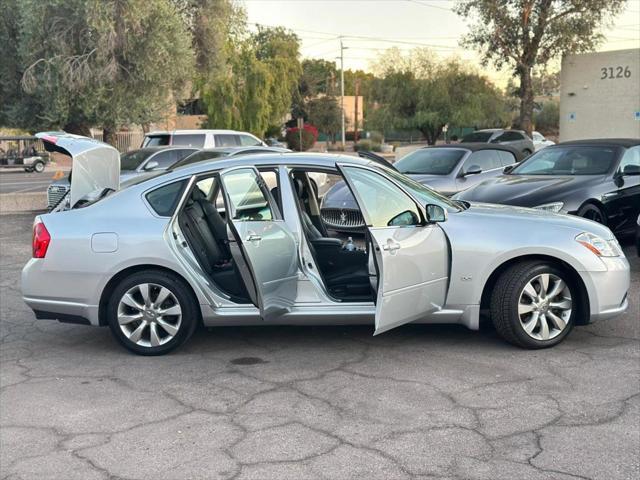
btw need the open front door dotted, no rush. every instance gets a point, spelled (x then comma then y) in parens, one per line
(411, 255)
(267, 247)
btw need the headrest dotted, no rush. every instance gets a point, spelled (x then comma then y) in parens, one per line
(299, 186)
(198, 194)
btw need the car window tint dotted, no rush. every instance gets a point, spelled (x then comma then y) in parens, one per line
(630, 157)
(485, 159)
(383, 202)
(165, 159)
(199, 157)
(184, 153)
(568, 160)
(133, 159)
(248, 141)
(506, 158)
(227, 140)
(189, 140)
(430, 161)
(247, 195)
(163, 200)
(482, 137)
(508, 137)
(156, 140)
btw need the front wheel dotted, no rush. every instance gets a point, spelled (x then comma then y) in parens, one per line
(38, 167)
(593, 212)
(534, 305)
(152, 312)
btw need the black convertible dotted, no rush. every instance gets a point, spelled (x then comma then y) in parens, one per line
(595, 179)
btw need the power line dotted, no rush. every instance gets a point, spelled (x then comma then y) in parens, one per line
(417, 2)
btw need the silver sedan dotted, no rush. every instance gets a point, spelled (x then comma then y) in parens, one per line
(211, 244)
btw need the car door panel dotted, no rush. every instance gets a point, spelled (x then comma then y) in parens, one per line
(264, 242)
(412, 260)
(412, 278)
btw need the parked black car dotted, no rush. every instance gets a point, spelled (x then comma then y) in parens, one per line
(595, 179)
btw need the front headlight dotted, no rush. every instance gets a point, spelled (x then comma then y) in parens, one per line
(599, 246)
(550, 207)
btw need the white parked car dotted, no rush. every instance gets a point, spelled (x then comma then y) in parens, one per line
(539, 141)
(202, 139)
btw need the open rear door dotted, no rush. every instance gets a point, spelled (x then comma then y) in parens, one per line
(95, 166)
(412, 256)
(266, 245)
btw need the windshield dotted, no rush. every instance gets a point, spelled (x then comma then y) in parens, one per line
(568, 160)
(132, 160)
(156, 140)
(430, 161)
(481, 137)
(199, 157)
(421, 192)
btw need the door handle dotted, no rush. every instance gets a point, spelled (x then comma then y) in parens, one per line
(253, 237)
(391, 246)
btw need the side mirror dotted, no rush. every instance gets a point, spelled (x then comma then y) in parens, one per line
(631, 170)
(436, 213)
(151, 165)
(508, 168)
(472, 170)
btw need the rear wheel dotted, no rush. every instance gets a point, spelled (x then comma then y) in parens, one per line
(534, 305)
(593, 212)
(152, 312)
(38, 167)
(526, 152)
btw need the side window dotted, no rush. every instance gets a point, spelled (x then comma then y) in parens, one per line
(165, 159)
(248, 141)
(226, 140)
(164, 200)
(247, 195)
(630, 157)
(184, 153)
(383, 202)
(506, 158)
(189, 140)
(485, 159)
(508, 137)
(155, 140)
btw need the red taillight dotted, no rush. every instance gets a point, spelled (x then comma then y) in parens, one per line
(41, 240)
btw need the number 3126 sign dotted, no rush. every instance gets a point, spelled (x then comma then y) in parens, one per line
(615, 72)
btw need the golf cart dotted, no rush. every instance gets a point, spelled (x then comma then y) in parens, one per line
(23, 152)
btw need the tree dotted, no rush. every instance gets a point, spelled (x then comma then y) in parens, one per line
(86, 62)
(524, 34)
(426, 94)
(548, 118)
(324, 113)
(257, 85)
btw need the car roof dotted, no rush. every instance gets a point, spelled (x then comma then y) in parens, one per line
(159, 148)
(609, 142)
(476, 146)
(194, 131)
(230, 150)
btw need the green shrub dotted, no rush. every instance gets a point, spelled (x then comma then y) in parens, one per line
(376, 137)
(362, 145)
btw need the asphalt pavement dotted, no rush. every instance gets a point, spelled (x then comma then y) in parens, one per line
(19, 181)
(429, 402)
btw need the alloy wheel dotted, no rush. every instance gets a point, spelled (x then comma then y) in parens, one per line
(545, 306)
(149, 315)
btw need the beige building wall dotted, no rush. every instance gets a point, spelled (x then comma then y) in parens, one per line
(350, 112)
(600, 95)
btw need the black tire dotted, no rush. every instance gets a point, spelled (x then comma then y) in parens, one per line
(28, 170)
(187, 302)
(38, 167)
(506, 296)
(593, 212)
(526, 152)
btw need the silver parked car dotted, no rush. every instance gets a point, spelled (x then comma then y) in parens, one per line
(210, 243)
(517, 139)
(133, 163)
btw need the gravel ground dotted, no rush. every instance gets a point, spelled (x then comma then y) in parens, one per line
(431, 402)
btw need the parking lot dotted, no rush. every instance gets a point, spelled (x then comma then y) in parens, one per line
(332, 402)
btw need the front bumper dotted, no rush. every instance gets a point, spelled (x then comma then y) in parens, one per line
(608, 290)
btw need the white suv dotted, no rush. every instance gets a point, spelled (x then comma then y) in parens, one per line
(201, 139)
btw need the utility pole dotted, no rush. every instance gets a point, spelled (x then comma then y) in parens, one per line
(342, 48)
(355, 117)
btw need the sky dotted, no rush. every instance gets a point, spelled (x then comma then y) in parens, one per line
(369, 27)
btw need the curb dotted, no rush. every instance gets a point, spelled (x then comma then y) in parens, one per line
(22, 202)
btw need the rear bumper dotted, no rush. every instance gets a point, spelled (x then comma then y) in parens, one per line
(608, 290)
(66, 312)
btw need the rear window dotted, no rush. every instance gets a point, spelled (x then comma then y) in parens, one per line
(568, 160)
(199, 157)
(249, 141)
(189, 140)
(164, 200)
(156, 140)
(430, 161)
(482, 137)
(227, 140)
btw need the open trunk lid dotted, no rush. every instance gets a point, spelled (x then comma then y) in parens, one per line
(95, 165)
